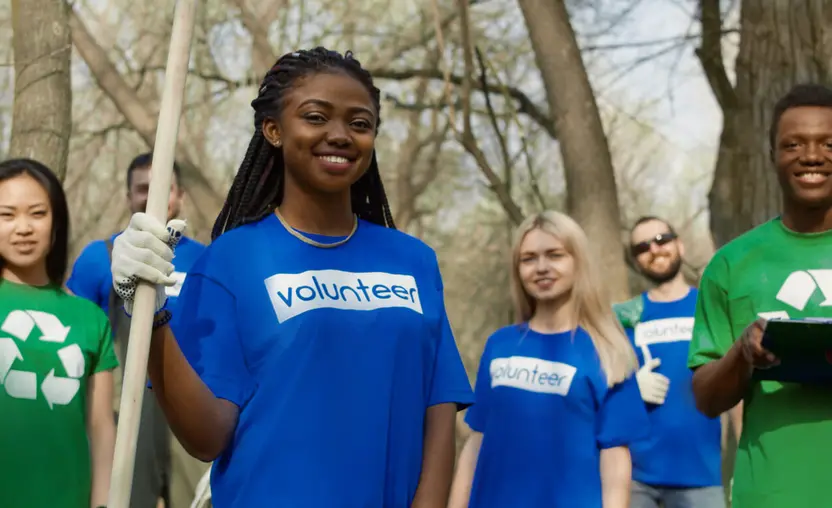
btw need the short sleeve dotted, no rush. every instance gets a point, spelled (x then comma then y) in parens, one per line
(477, 415)
(106, 358)
(449, 382)
(86, 278)
(622, 417)
(712, 335)
(205, 328)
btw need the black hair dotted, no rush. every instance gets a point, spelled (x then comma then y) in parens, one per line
(800, 95)
(57, 258)
(145, 160)
(650, 218)
(258, 186)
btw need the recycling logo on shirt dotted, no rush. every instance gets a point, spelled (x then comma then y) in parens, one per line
(798, 289)
(22, 384)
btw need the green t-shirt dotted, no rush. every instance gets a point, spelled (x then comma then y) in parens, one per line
(783, 459)
(50, 344)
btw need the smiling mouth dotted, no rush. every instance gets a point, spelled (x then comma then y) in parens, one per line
(811, 176)
(334, 159)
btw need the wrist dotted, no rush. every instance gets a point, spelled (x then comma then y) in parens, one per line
(162, 318)
(739, 359)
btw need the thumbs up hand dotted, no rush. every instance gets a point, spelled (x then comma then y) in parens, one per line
(652, 385)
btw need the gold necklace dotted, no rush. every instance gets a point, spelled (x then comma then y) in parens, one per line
(303, 238)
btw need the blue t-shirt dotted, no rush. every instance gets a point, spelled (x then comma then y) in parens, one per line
(333, 355)
(92, 279)
(684, 446)
(545, 411)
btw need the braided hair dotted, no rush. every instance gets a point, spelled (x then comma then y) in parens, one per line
(258, 186)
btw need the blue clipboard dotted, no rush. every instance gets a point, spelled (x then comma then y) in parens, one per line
(804, 347)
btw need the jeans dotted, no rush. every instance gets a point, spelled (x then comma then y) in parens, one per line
(648, 496)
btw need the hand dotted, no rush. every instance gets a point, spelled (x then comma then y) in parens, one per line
(752, 349)
(652, 385)
(144, 251)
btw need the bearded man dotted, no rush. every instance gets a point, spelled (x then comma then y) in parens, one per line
(679, 465)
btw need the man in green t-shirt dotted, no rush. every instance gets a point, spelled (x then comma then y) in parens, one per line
(782, 268)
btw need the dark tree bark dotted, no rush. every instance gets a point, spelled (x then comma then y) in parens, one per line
(42, 114)
(592, 198)
(782, 43)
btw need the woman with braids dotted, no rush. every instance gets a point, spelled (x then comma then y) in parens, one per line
(311, 357)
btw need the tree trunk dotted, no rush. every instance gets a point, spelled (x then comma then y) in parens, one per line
(782, 43)
(592, 199)
(42, 114)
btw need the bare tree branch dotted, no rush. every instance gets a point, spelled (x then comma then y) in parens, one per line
(710, 55)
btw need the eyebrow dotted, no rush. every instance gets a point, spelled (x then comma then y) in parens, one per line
(36, 205)
(329, 105)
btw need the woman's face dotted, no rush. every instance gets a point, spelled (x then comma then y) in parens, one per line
(546, 268)
(25, 222)
(326, 131)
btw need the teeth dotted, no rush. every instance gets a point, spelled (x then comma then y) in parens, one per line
(812, 176)
(335, 159)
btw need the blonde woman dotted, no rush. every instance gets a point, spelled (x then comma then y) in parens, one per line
(556, 402)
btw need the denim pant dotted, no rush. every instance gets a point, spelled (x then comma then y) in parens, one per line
(647, 496)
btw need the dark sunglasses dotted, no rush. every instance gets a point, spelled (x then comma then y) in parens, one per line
(662, 239)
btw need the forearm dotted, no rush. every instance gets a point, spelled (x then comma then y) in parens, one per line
(202, 422)
(616, 470)
(102, 437)
(720, 385)
(437, 458)
(464, 477)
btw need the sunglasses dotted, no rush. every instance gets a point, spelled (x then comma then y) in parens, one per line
(661, 239)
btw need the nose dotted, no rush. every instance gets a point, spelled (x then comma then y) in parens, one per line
(811, 156)
(339, 135)
(23, 226)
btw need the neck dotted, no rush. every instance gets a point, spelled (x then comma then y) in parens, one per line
(807, 220)
(554, 316)
(670, 291)
(35, 276)
(328, 214)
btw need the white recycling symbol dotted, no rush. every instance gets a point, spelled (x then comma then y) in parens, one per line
(798, 289)
(22, 384)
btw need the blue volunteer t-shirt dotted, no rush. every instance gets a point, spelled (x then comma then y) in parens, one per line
(545, 411)
(684, 446)
(92, 279)
(333, 355)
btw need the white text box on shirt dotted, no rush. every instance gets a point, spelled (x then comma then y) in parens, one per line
(659, 331)
(292, 294)
(532, 374)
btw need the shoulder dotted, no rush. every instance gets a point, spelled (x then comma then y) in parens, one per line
(82, 307)
(505, 333)
(629, 312)
(752, 243)
(94, 250)
(397, 241)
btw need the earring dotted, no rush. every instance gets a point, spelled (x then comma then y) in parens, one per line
(277, 144)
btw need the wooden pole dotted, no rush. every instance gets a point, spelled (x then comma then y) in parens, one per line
(135, 368)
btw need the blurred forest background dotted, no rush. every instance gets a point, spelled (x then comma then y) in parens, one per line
(493, 109)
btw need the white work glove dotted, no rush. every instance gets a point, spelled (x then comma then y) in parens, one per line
(144, 251)
(652, 385)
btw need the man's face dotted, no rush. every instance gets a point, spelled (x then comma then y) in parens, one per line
(803, 155)
(139, 187)
(657, 251)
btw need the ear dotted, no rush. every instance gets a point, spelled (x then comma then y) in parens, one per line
(272, 132)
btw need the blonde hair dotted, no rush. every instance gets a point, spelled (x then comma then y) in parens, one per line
(592, 306)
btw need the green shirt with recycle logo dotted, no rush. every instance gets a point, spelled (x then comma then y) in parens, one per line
(50, 344)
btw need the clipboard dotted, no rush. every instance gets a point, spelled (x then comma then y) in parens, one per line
(804, 348)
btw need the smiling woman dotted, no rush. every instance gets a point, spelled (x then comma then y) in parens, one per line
(56, 355)
(313, 360)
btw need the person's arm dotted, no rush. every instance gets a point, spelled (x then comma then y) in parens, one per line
(622, 420)
(464, 478)
(199, 376)
(101, 432)
(616, 470)
(438, 457)
(450, 392)
(722, 370)
(202, 422)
